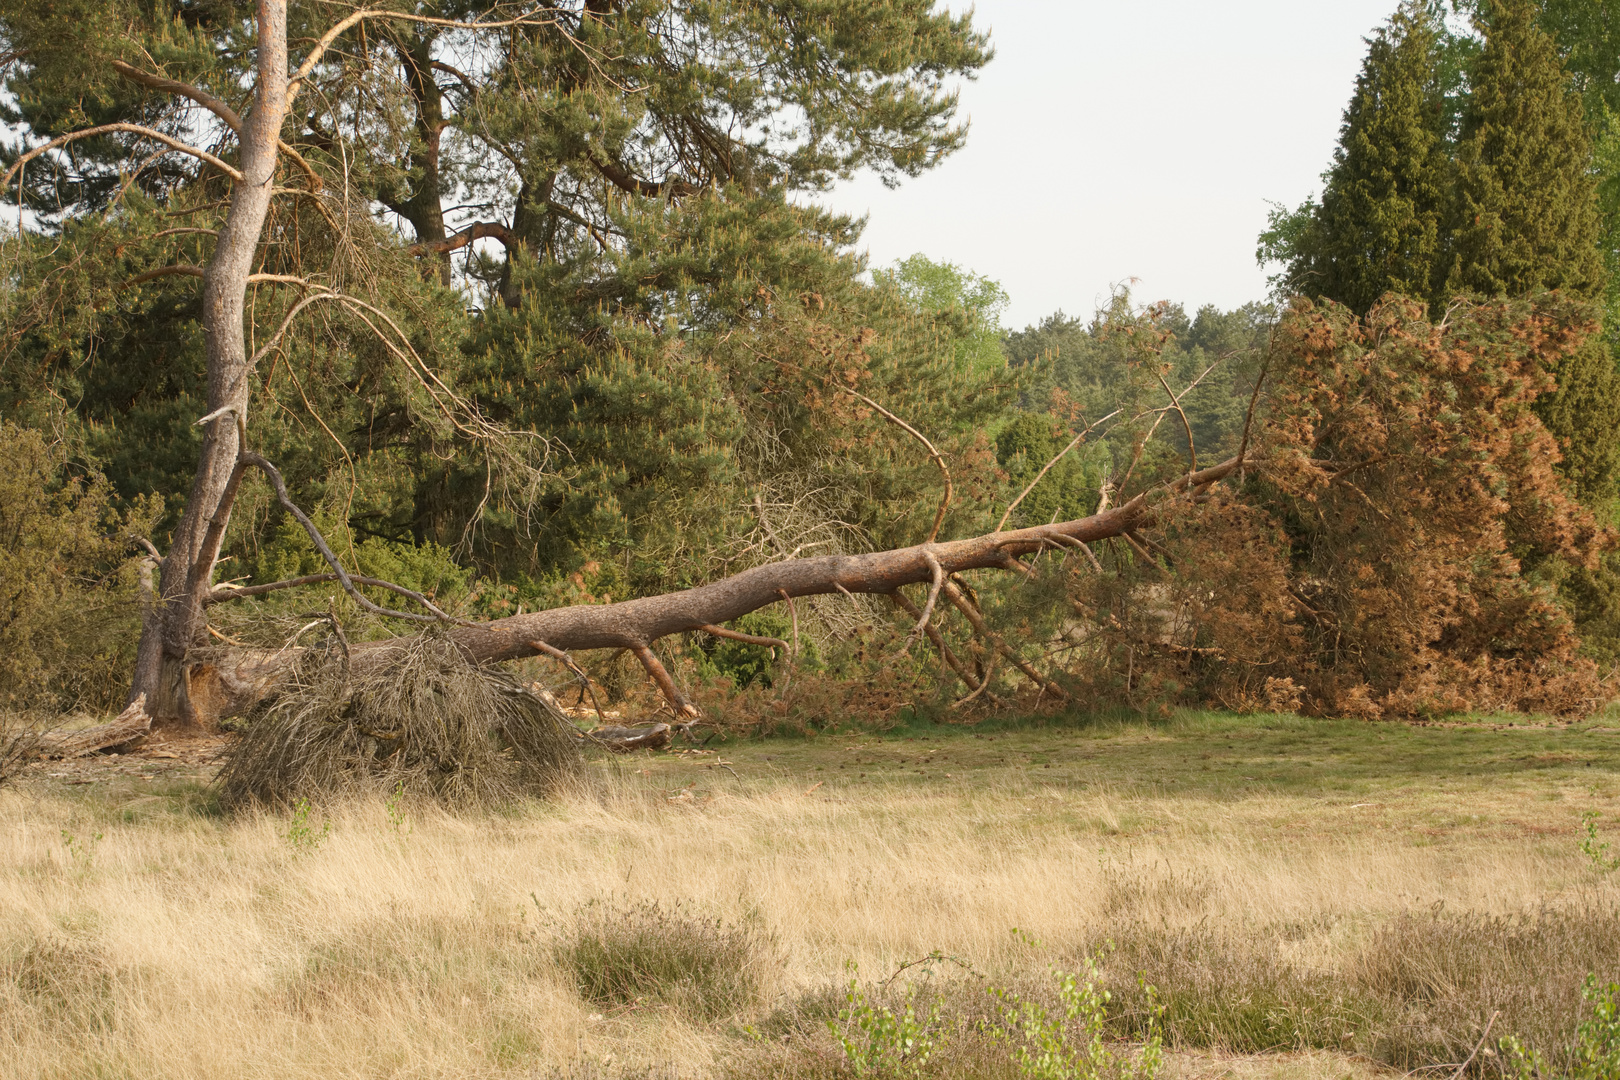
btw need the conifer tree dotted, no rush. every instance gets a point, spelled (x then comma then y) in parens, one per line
(1525, 219)
(1378, 228)
(1525, 212)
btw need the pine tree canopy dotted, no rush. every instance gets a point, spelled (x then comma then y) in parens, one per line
(1378, 228)
(1525, 212)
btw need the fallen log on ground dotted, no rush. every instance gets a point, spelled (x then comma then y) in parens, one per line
(129, 726)
(622, 740)
(237, 678)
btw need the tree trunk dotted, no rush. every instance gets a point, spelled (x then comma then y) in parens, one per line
(232, 680)
(167, 639)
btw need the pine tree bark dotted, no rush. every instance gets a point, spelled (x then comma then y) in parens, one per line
(188, 568)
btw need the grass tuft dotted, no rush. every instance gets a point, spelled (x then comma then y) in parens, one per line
(1449, 972)
(60, 983)
(648, 954)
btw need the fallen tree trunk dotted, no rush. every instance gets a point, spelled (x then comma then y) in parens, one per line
(236, 679)
(637, 623)
(131, 724)
(622, 740)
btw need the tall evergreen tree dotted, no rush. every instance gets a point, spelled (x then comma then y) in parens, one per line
(1526, 210)
(1525, 219)
(1378, 228)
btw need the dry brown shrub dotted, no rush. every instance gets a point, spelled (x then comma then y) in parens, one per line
(1414, 482)
(1394, 551)
(422, 719)
(19, 741)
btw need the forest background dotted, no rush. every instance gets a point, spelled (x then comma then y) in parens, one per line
(630, 355)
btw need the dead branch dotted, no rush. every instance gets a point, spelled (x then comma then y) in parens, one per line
(1070, 542)
(1141, 551)
(187, 270)
(622, 740)
(976, 619)
(749, 639)
(937, 640)
(478, 230)
(325, 42)
(666, 685)
(225, 593)
(984, 684)
(574, 669)
(1061, 454)
(108, 129)
(342, 575)
(793, 614)
(933, 453)
(1158, 418)
(933, 597)
(212, 104)
(1254, 399)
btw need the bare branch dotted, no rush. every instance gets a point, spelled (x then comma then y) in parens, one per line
(476, 231)
(225, 593)
(954, 595)
(173, 86)
(181, 231)
(938, 458)
(747, 639)
(319, 541)
(1078, 439)
(133, 129)
(1175, 403)
(937, 640)
(1254, 399)
(933, 598)
(666, 685)
(577, 671)
(151, 548)
(275, 338)
(212, 104)
(187, 270)
(297, 81)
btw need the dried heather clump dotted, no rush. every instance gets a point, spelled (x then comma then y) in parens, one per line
(415, 716)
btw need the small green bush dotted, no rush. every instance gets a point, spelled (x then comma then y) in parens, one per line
(879, 1041)
(69, 605)
(1071, 1041)
(648, 954)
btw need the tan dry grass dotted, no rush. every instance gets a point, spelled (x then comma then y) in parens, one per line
(185, 946)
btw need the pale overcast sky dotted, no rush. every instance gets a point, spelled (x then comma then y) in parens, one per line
(1136, 139)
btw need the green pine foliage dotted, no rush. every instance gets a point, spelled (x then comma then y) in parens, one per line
(1525, 212)
(1379, 226)
(1526, 219)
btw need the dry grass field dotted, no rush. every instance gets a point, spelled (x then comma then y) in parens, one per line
(1312, 899)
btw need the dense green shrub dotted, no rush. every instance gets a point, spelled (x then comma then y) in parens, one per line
(69, 603)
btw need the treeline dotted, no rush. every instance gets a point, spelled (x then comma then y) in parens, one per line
(596, 341)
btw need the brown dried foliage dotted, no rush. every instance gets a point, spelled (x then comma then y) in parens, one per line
(1393, 552)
